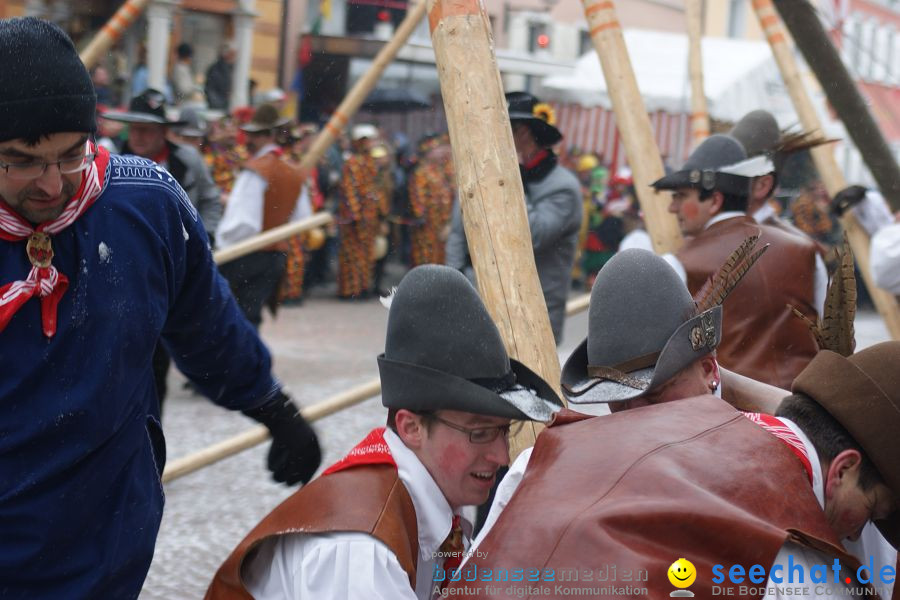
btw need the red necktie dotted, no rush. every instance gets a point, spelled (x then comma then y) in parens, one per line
(454, 544)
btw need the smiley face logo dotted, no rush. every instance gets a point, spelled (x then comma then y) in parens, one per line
(682, 573)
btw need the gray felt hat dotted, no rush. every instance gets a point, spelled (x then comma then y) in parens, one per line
(705, 168)
(758, 132)
(642, 330)
(443, 352)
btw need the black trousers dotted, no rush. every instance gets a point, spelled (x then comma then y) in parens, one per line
(254, 279)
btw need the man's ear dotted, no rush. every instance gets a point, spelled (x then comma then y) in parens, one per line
(762, 187)
(716, 202)
(410, 428)
(841, 470)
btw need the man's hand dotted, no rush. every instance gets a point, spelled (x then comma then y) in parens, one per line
(294, 455)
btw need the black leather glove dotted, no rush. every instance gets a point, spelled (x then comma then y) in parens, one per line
(294, 454)
(847, 198)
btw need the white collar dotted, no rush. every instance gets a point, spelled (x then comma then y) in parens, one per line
(818, 484)
(434, 516)
(730, 214)
(765, 211)
(265, 150)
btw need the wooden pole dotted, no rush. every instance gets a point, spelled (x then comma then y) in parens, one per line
(270, 236)
(824, 158)
(257, 435)
(699, 114)
(355, 97)
(803, 23)
(633, 122)
(110, 33)
(490, 188)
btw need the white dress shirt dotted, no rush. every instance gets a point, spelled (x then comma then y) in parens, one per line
(884, 258)
(243, 216)
(353, 565)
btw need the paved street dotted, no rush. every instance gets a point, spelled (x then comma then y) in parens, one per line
(321, 348)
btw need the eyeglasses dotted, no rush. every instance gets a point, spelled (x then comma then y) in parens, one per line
(33, 170)
(482, 435)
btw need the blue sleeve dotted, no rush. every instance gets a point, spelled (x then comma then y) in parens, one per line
(205, 332)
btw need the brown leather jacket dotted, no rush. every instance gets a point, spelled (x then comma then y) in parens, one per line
(369, 499)
(761, 336)
(615, 500)
(284, 185)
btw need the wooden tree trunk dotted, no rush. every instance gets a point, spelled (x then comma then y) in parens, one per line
(699, 114)
(633, 122)
(490, 188)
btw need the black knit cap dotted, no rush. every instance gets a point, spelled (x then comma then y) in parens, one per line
(44, 86)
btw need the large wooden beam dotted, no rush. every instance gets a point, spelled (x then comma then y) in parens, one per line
(699, 114)
(633, 122)
(357, 94)
(491, 195)
(821, 55)
(823, 157)
(110, 33)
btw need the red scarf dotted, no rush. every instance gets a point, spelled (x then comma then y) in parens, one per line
(44, 280)
(373, 450)
(786, 435)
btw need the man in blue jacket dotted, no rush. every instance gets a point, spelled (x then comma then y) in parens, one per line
(101, 256)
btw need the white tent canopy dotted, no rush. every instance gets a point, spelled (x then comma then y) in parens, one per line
(739, 76)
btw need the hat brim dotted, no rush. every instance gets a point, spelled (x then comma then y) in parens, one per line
(544, 133)
(674, 181)
(682, 348)
(138, 117)
(418, 388)
(257, 127)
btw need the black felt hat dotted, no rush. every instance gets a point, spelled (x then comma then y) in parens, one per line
(706, 168)
(443, 352)
(147, 107)
(44, 86)
(642, 330)
(539, 117)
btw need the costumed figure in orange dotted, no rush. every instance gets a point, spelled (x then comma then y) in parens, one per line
(292, 284)
(431, 194)
(223, 155)
(360, 202)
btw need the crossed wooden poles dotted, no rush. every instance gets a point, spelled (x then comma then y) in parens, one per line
(490, 189)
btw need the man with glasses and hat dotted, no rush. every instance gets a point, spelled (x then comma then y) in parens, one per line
(762, 338)
(380, 522)
(101, 255)
(267, 193)
(553, 201)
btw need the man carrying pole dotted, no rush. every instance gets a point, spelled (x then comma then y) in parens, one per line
(377, 523)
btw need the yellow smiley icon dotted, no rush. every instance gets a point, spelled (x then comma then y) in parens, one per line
(682, 573)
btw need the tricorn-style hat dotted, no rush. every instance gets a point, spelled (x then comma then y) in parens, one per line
(539, 117)
(642, 330)
(265, 118)
(147, 107)
(862, 393)
(707, 168)
(443, 352)
(48, 89)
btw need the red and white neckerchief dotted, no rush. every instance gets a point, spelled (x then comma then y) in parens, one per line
(373, 450)
(786, 435)
(44, 280)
